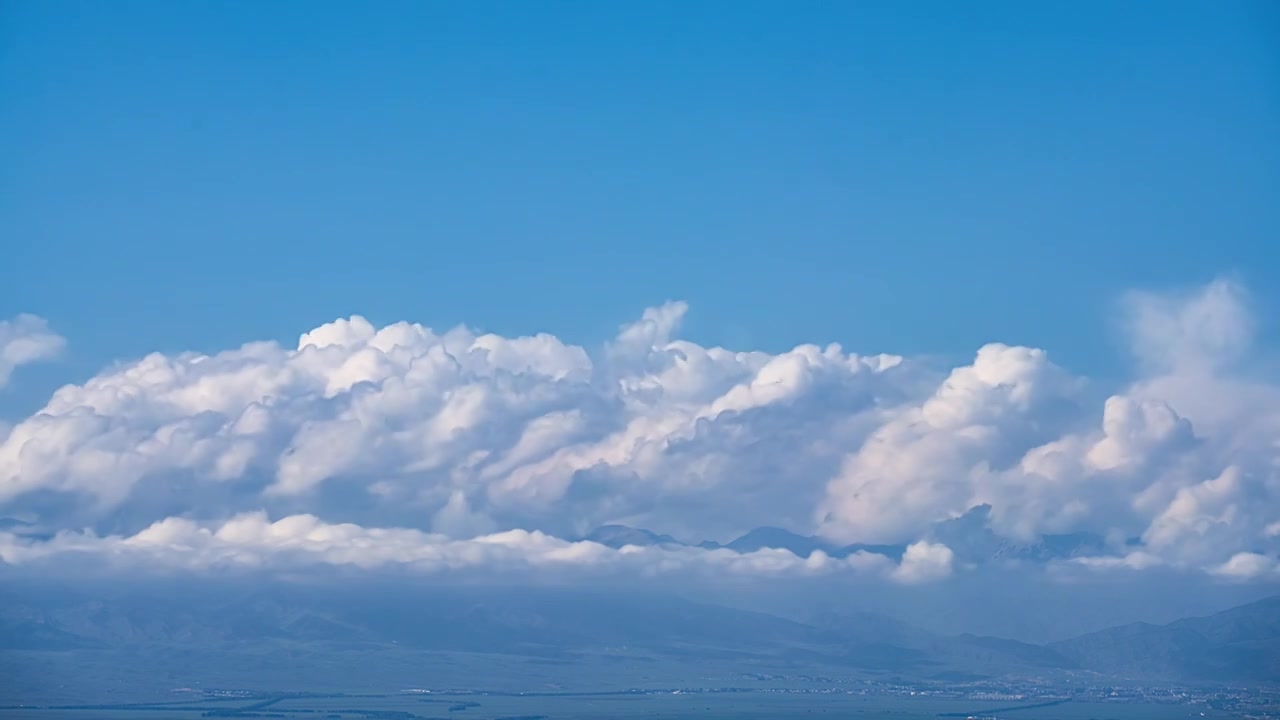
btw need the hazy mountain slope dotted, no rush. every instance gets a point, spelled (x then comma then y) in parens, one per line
(108, 627)
(486, 619)
(536, 622)
(1240, 644)
(617, 536)
(974, 653)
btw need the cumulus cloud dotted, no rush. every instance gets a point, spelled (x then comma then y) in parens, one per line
(923, 463)
(1184, 459)
(454, 425)
(1248, 566)
(456, 436)
(923, 562)
(24, 340)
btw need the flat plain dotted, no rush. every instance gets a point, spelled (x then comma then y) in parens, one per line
(666, 706)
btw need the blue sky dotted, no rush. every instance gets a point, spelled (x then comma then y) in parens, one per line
(913, 178)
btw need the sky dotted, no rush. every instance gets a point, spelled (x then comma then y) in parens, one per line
(509, 272)
(909, 180)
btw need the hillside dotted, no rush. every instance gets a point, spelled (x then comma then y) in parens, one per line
(213, 632)
(1240, 644)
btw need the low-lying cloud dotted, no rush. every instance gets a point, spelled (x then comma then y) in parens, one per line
(253, 541)
(486, 450)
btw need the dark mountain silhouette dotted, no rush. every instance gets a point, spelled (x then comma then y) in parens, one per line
(772, 537)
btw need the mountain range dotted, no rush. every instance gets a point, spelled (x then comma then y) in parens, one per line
(192, 633)
(969, 537)
(1239, 644)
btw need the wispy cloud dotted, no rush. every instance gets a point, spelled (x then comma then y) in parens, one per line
(24, 340)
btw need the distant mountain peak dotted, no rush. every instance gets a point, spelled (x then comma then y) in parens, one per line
(617, 536)
(969, 536)
(779, 538)
(972, 539)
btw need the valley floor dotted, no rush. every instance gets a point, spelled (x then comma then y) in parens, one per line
(652, 703)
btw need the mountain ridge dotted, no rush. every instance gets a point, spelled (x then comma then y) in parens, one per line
(968, 536)
(1237, 644)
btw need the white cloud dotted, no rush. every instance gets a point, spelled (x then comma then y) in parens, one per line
(1194, 332)
(1185, 459)
(411, 420)
(923, 463)
(1137, 560)
(465, 435)
(1247, 566)
(924, 562)
(24, 340)
(1199, 512)
(252, 540)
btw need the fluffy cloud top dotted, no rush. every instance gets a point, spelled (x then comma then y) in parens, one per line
(479, 431)
(24, 340)
(459, 437)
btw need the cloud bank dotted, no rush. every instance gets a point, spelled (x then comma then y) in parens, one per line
(252, 540)
(403, 445)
